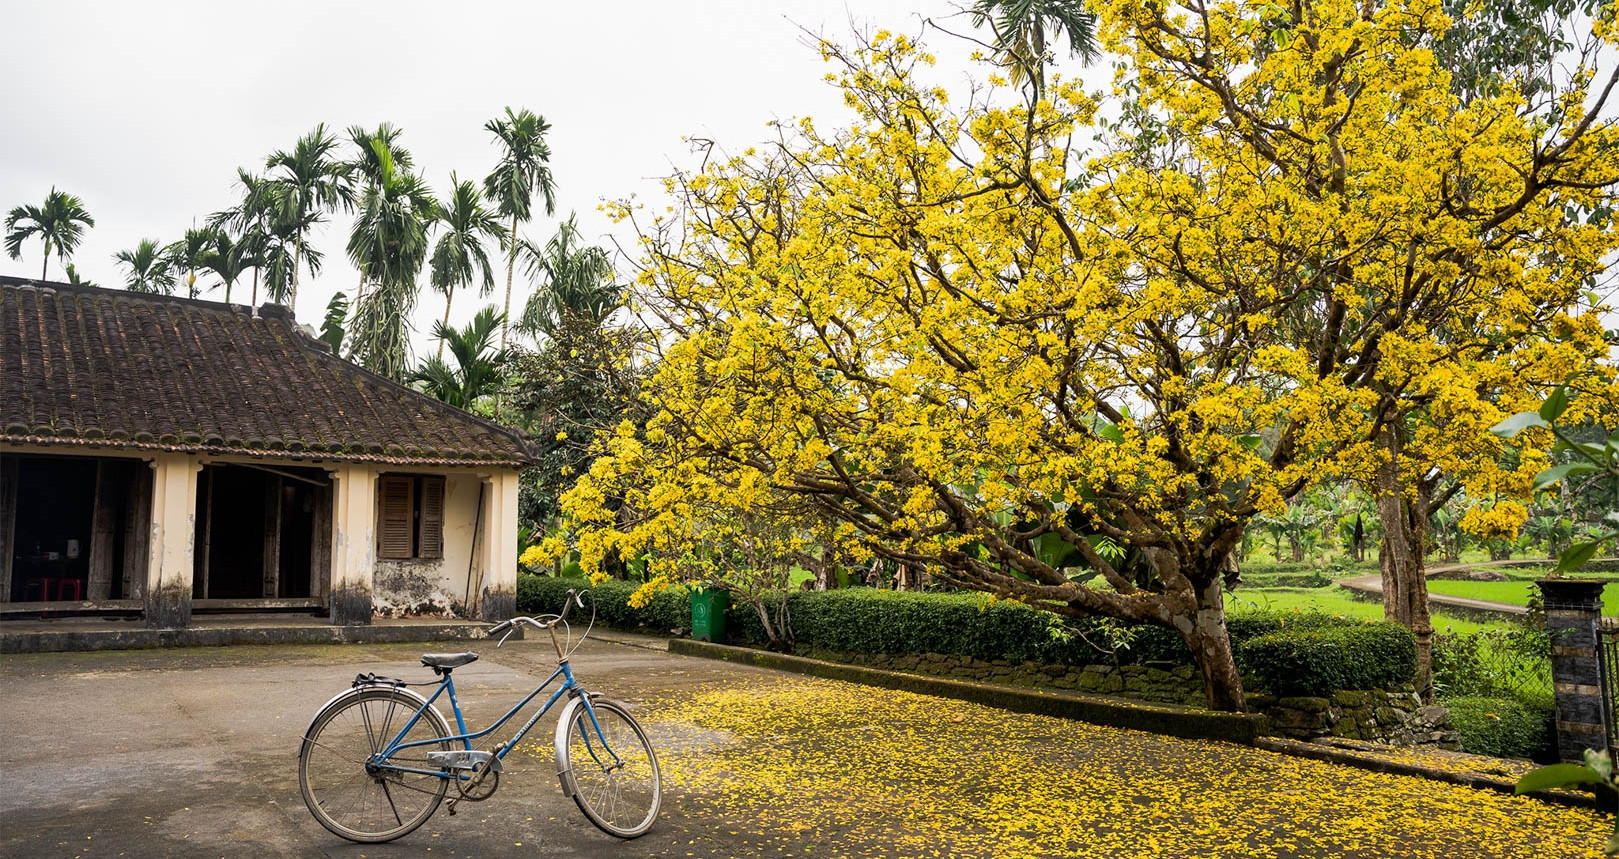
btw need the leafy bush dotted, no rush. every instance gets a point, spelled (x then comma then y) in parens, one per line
(1500, 727)
(1319, 659)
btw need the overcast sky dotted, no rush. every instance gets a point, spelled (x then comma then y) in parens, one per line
(145, 110)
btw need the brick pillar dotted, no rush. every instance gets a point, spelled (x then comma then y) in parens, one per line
(1573, 610)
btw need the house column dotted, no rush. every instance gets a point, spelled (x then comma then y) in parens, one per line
(498, 599)
(354, 543)
(171, 563)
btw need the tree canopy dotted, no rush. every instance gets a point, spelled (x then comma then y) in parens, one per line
(974, 332)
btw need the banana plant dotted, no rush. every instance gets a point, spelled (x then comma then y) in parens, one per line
(1598, 460)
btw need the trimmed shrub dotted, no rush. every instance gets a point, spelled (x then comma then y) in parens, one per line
(1318, 660)
(1500, 727)
(1297, 653)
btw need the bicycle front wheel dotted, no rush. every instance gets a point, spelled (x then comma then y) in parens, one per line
(609, 768)
(357, 796)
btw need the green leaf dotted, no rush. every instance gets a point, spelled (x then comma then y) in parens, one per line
(1250, 441)
(1518, 422)
(1555, 474)
(1555, 405)
(1576, 555)
(1556, 775)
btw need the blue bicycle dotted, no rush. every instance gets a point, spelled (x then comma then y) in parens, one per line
(378, 759)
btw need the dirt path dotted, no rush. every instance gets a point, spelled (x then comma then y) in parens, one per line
(1373, 585)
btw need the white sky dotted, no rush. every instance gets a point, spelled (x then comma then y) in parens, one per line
(145, 110)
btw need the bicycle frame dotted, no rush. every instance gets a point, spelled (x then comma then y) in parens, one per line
(569, 686)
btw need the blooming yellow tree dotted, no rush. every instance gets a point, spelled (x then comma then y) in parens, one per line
(968, 331)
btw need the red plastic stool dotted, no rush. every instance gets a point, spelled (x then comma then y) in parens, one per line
(44, 584)
(65, 585)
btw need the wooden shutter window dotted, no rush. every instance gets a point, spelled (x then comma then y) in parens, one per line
(395, 520)
(432, 525)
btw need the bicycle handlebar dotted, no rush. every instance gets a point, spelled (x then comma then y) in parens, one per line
(568, 602)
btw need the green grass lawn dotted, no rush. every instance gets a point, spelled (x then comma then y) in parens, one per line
(1514, 592)
(1334, 601)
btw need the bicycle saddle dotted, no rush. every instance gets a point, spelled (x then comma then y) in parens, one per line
(440, 661)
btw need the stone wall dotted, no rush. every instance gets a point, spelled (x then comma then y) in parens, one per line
(1387, 716)
(1377, 715)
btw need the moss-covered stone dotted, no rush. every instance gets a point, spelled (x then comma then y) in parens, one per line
(1349, 698)
(1306, 703)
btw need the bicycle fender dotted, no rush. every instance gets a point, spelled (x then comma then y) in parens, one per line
(564, 775)
(355, 692)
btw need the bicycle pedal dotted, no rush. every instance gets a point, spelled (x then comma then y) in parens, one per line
(465, 759)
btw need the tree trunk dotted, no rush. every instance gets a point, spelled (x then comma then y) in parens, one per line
(1205, 635)
(511, 270)
(447, 298)
(1400, 559)
(297, 257)
(1297, 547)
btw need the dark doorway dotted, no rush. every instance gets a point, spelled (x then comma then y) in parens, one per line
(73, 529)
(261, 532)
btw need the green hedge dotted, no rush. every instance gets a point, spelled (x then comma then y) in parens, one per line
(1499, 727)
(668, 611)
(1286, 653)
(1321, 660)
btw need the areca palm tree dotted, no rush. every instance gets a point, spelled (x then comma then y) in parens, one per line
(310, 180)
(459, 255)
(227, 259)
(364, 170)
(479, 366)
(389, 244)
(147, 268)
(186, 256)
(60, 222)
(523, 169)
(1026, 29)
(575, 284)
(251, 219)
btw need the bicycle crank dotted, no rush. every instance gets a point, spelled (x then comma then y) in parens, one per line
(483, 781)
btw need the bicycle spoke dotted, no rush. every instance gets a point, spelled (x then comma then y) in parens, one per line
(394, 808)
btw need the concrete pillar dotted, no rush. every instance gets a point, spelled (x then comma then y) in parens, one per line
(498, 598)
(354, 543)
(1573, 610)
(171, 564)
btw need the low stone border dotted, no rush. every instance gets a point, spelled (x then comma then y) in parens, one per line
(1373, 763)
(86, 640)
(1167, 719)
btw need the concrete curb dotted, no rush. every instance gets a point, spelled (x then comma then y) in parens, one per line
(1372, 763)
(1174, 721)
(86, 640)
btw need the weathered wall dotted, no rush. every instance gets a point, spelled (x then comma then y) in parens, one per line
(479, 551)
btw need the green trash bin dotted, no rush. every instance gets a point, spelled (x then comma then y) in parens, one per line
(708, 605)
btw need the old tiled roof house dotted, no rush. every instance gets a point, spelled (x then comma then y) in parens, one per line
(161, 454)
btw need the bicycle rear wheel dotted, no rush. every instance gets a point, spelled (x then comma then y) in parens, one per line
(615, 783)
(345, 788)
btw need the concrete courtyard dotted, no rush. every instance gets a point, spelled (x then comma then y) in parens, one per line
(193, 752)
